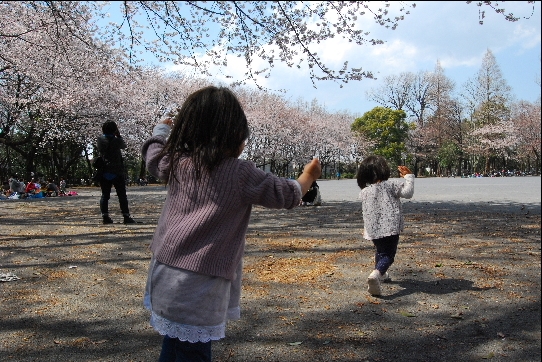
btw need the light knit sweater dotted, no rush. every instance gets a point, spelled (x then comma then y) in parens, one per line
(382, 208)
(203, 222)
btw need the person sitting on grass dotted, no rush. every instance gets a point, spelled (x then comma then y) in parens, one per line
(31, 187)
(52, 188)
(312, 197)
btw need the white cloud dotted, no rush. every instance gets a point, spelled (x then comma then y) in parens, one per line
(448, 62)
(529, 37)
(398, 55)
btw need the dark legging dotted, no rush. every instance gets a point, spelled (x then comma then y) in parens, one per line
(120, 187)
(386, 248)
(174, 350)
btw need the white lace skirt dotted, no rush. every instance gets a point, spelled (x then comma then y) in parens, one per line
(190, 306)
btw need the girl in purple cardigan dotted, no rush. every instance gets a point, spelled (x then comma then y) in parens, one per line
(194, 280)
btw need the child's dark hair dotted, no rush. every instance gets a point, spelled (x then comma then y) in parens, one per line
(372, 169)
(109, 127)
(209, 127)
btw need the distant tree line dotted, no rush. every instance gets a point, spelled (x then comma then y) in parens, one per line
(61, 78)
(426, 123)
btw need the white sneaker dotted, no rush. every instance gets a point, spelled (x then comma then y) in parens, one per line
(385, 278)
(373, 282)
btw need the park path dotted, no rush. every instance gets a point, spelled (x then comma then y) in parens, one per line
(525, 190)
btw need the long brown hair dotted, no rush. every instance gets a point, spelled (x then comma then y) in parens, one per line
(209, 127)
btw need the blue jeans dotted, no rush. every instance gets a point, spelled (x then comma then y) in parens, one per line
(175, 350)
(386, 248)
(120, 187)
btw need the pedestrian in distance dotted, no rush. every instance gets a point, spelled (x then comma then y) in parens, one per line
(382, 213)
(194, 280)
(109, 146)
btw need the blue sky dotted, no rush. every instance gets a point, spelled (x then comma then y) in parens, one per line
(447, 31)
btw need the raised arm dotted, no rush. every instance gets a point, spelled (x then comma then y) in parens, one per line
(311, 172)
(407, 190)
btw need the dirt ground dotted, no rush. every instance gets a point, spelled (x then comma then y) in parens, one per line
(466, 284)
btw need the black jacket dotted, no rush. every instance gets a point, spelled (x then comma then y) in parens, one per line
(110, 148)
(310, 196)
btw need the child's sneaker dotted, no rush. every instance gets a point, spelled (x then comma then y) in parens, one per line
(373, 282)
(385, 278)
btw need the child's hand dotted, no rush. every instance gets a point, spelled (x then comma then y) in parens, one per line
(403, 170)
(168, 121)
(313, 168)
(311, 172)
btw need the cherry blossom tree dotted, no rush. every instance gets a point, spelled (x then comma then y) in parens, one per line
(526, 118)
(62, 74)
(205, 34)
(497, 140)
(53, 103)
(285, 136)
(276, 130)
(210, 34)
(45, 69)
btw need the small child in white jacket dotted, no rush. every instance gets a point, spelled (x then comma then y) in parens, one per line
(382, 213)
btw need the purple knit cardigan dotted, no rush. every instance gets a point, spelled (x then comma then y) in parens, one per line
(203, 222)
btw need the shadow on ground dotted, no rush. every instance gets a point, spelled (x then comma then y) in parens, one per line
(466, 285)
